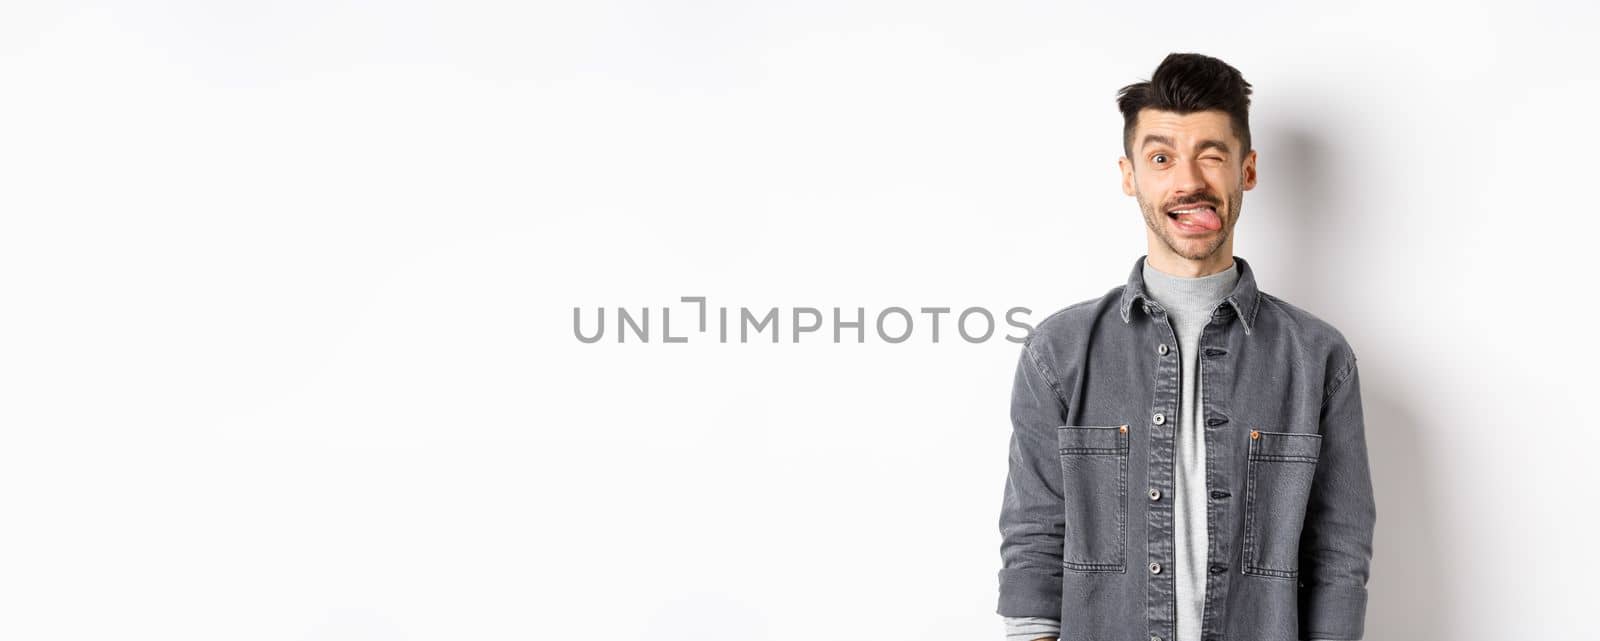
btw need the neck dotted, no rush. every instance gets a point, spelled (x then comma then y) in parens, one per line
(1164, 259)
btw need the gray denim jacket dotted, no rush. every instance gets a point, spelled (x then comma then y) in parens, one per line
(1087, 518)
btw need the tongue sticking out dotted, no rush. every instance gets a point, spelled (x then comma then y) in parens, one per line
(1205, 217)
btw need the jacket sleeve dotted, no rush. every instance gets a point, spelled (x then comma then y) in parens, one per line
(1032, 513)
(1336, 540)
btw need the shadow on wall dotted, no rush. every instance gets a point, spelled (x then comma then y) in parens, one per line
(1410, 590)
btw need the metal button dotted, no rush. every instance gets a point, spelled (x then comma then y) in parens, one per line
(1155, 494)
(1155, 637)
(1162, 349)
(1155, 568)
(1162, 418)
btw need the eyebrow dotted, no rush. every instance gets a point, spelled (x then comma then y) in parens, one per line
(1209, 143)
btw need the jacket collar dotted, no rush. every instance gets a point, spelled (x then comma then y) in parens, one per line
(1244, 298)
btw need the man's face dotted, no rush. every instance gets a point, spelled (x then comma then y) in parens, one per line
(1189, 175)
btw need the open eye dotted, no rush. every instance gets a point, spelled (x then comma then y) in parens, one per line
(1159, 159)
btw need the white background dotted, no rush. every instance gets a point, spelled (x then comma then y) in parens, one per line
(286, 296)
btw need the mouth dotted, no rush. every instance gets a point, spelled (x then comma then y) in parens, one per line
(1198, 218)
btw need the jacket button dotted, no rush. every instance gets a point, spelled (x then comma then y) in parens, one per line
(1155, 494)
(1155, 568)
(1155, 637)
(1161, 349)
(1219, 569)
(1159, 418)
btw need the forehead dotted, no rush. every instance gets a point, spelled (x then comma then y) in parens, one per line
(1184, 129)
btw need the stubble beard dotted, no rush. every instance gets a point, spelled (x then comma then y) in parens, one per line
(1157, 220)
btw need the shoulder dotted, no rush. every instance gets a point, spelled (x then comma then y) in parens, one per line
(1061, 335)
(1316, 339)
(1069, 319)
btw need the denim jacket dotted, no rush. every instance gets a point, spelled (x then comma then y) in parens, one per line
(1087, 516)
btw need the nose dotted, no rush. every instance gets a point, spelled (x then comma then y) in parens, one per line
(1190, 179)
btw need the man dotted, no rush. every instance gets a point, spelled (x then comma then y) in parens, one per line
(1188, 458)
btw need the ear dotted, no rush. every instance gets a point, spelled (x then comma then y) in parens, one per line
(1250, 170)
(1127, 175)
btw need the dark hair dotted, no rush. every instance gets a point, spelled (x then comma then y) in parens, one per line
(1186, 83)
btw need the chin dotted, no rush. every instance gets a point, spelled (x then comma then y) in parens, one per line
(1195, 249)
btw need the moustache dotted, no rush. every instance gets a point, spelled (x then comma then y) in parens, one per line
(1206, 199)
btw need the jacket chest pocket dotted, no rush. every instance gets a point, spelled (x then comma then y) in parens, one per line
(1094, 472)
(1278, 486)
